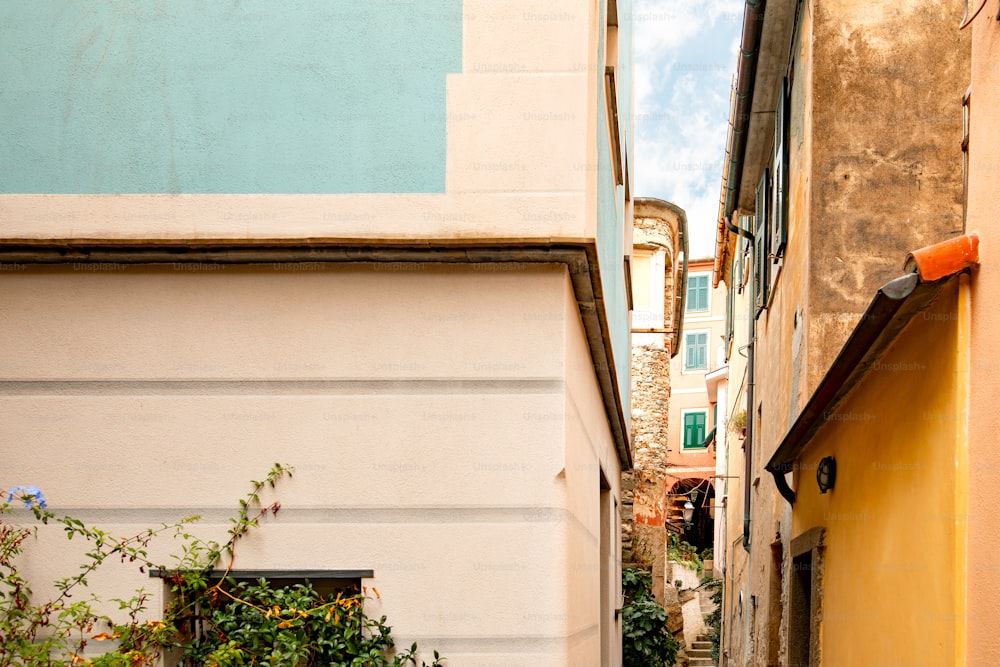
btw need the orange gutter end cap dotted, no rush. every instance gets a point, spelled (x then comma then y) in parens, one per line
(946, 258)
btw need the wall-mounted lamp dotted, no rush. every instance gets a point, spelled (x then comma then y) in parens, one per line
(826, 474)
(688, 513)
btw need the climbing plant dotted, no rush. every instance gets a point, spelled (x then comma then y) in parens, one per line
(714, 620)
(217, 621)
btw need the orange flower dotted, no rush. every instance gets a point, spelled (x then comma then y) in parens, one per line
(101, 636)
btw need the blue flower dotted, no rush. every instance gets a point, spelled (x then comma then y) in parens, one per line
(29, 494)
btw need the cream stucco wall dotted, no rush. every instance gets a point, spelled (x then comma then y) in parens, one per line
(455, 445)
(983, 641)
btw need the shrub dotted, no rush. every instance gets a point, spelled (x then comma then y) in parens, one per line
(646, 642)
(211, 621)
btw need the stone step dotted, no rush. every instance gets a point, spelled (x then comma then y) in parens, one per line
(699, 653)
(701, 645)
(701, 662)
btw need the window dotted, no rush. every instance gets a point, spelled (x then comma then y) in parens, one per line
(248, 584)
(805, 602)
(640, 280)
(779, 206)
(697, 292)
(694, 429)
(696, 351)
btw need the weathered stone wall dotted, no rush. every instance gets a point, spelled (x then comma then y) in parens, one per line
(656, 226)
(647, 481)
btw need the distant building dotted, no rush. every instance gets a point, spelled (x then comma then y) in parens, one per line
(657, 269)
(384, 244)
(693, 421)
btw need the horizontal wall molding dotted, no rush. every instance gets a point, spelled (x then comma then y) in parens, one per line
(580, 258)
(278, 387)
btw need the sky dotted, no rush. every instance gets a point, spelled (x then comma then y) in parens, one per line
(685, 61)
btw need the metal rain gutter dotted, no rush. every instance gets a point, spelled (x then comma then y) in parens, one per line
(890, 311)
(739, 121)
(753, 25)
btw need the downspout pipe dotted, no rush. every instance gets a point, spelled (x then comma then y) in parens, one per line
(680, 291)
(751, 419)
(753, 24)
(751, 385)
(739, 231)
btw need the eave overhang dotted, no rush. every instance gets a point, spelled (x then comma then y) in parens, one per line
(712, 381)
(579, 256)
(890, 311)
(763, 61)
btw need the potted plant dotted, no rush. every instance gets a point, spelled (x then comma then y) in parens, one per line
(738, 424)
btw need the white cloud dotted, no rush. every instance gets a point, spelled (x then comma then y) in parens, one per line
(685, 57)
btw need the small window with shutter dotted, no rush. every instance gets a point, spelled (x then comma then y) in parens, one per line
(697, 293)
(762, 263)
(778, 232)
(696, 351)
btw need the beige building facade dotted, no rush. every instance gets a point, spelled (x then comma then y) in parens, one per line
(693, 421)
(437, 340)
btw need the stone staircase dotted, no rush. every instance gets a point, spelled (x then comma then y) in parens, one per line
(700, 651)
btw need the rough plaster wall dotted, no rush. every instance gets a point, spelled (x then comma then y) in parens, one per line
(888, 80)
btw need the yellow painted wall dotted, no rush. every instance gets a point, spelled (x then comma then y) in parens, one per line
(890, 521)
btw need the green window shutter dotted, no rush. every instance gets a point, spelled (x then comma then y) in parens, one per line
(779, 200)
(688, 427)
(762, 263)
(699, 421)
(694, 430)
(697, 296)
(695, 351)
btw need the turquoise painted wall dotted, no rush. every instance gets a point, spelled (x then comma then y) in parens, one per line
(213, 96)
(626, 61)
(610, 220)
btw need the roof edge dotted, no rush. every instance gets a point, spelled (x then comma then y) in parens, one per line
(890, 311)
